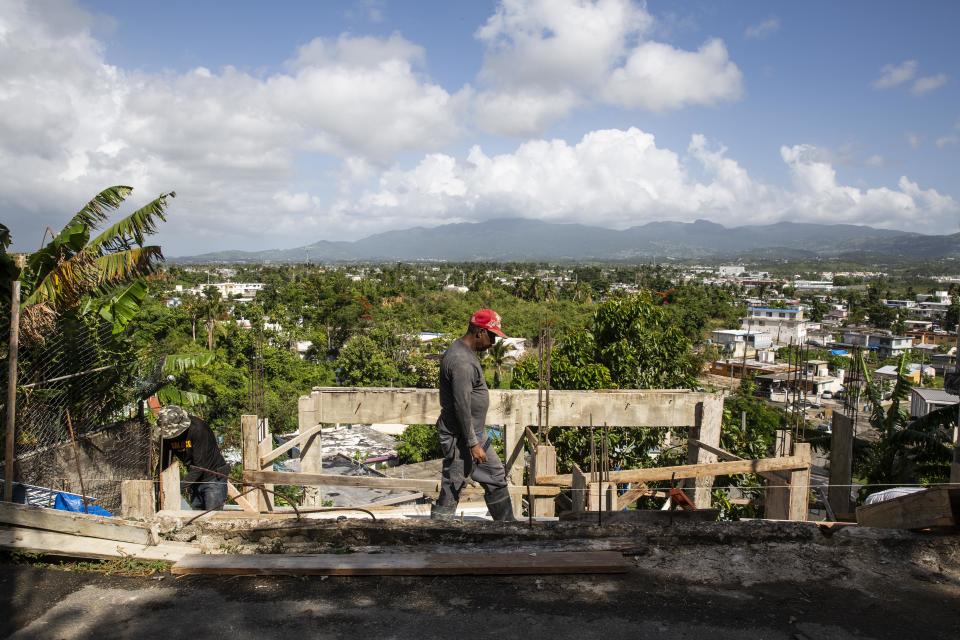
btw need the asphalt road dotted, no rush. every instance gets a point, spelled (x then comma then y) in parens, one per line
(47, 603)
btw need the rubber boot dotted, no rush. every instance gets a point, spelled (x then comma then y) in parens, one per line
(500, 506)
(438, 512)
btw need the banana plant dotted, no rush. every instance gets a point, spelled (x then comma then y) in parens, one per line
(167, 392)
(104, 273)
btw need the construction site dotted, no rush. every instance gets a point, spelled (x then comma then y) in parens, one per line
(579, 560)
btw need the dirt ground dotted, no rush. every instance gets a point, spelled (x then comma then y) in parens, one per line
(745, 580)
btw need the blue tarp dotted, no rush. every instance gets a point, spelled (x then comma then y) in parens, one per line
(70, 502)
(839, 352)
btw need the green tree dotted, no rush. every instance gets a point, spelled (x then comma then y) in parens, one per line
(497, 357)
(362, 363)
(214, 310)
(906, 451)
(632, 345)
(419, 443)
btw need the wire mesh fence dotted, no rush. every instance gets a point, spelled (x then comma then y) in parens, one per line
(78, 428)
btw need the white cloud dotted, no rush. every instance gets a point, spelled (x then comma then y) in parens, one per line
(875, 160)
(892, 75)
(557, 43)
(929, 83)
(226, 140)
(762, 30)
(914, 140)
(622, 178)
(659, 77)
(545, 57)
(522, 112)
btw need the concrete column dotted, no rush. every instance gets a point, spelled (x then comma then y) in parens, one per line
(841, 464)
(311, 452)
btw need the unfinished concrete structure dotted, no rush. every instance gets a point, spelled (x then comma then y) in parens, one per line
(518, 412)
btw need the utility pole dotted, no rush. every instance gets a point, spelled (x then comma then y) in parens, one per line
(14, 346)
(955, 467)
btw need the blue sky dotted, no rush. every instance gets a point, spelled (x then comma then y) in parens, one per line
(283, 124)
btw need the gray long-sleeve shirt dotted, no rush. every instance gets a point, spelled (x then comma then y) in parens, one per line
(464, 397)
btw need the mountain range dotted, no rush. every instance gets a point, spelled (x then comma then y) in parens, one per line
(520, 239)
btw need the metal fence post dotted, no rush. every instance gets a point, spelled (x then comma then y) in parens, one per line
(12, 392)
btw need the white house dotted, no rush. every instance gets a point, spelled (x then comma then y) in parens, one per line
(923, 401)
(731, 270)
(783, 325)
(735, 342)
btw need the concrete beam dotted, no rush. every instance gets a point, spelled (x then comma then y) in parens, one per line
(622, 408)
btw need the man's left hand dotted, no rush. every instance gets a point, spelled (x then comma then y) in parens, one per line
(478, 454)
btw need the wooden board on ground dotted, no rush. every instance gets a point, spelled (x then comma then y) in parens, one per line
(374, 482)
(405, 564)
(74, 523)
(641, 515)
(938, 507)
(74, 546)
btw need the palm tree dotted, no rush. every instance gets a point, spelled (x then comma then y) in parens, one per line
(498, 354)
(214, 309)
(103, 275)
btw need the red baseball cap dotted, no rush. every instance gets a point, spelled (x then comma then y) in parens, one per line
(488, 319)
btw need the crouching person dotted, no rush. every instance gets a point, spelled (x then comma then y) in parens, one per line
(193, 443)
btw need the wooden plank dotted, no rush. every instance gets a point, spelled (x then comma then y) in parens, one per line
(649, 408)
(330, 479)
(725, 455)
(392, 500)
(239, 500)
(426, 486)
(266, 444)
(544, 462)
(73, 523)
(579, 486)
(250, 436)
(776, 498)
(288, 445)
(933, 508)
(800, 484)
(170, 486)
(631, 495)
(709, 416)
(691, 471)
(601, 496)
(137, 499)
(531, 438)
(74, 546)
(405, 564)
(841, 463)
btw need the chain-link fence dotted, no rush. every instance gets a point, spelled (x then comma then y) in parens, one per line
(78, 428)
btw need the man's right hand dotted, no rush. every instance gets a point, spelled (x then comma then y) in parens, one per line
(478, 454)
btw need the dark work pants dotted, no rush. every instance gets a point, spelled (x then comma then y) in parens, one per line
(458, 465)
(208, 496)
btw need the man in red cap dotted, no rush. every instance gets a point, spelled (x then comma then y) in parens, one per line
(464, 399)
